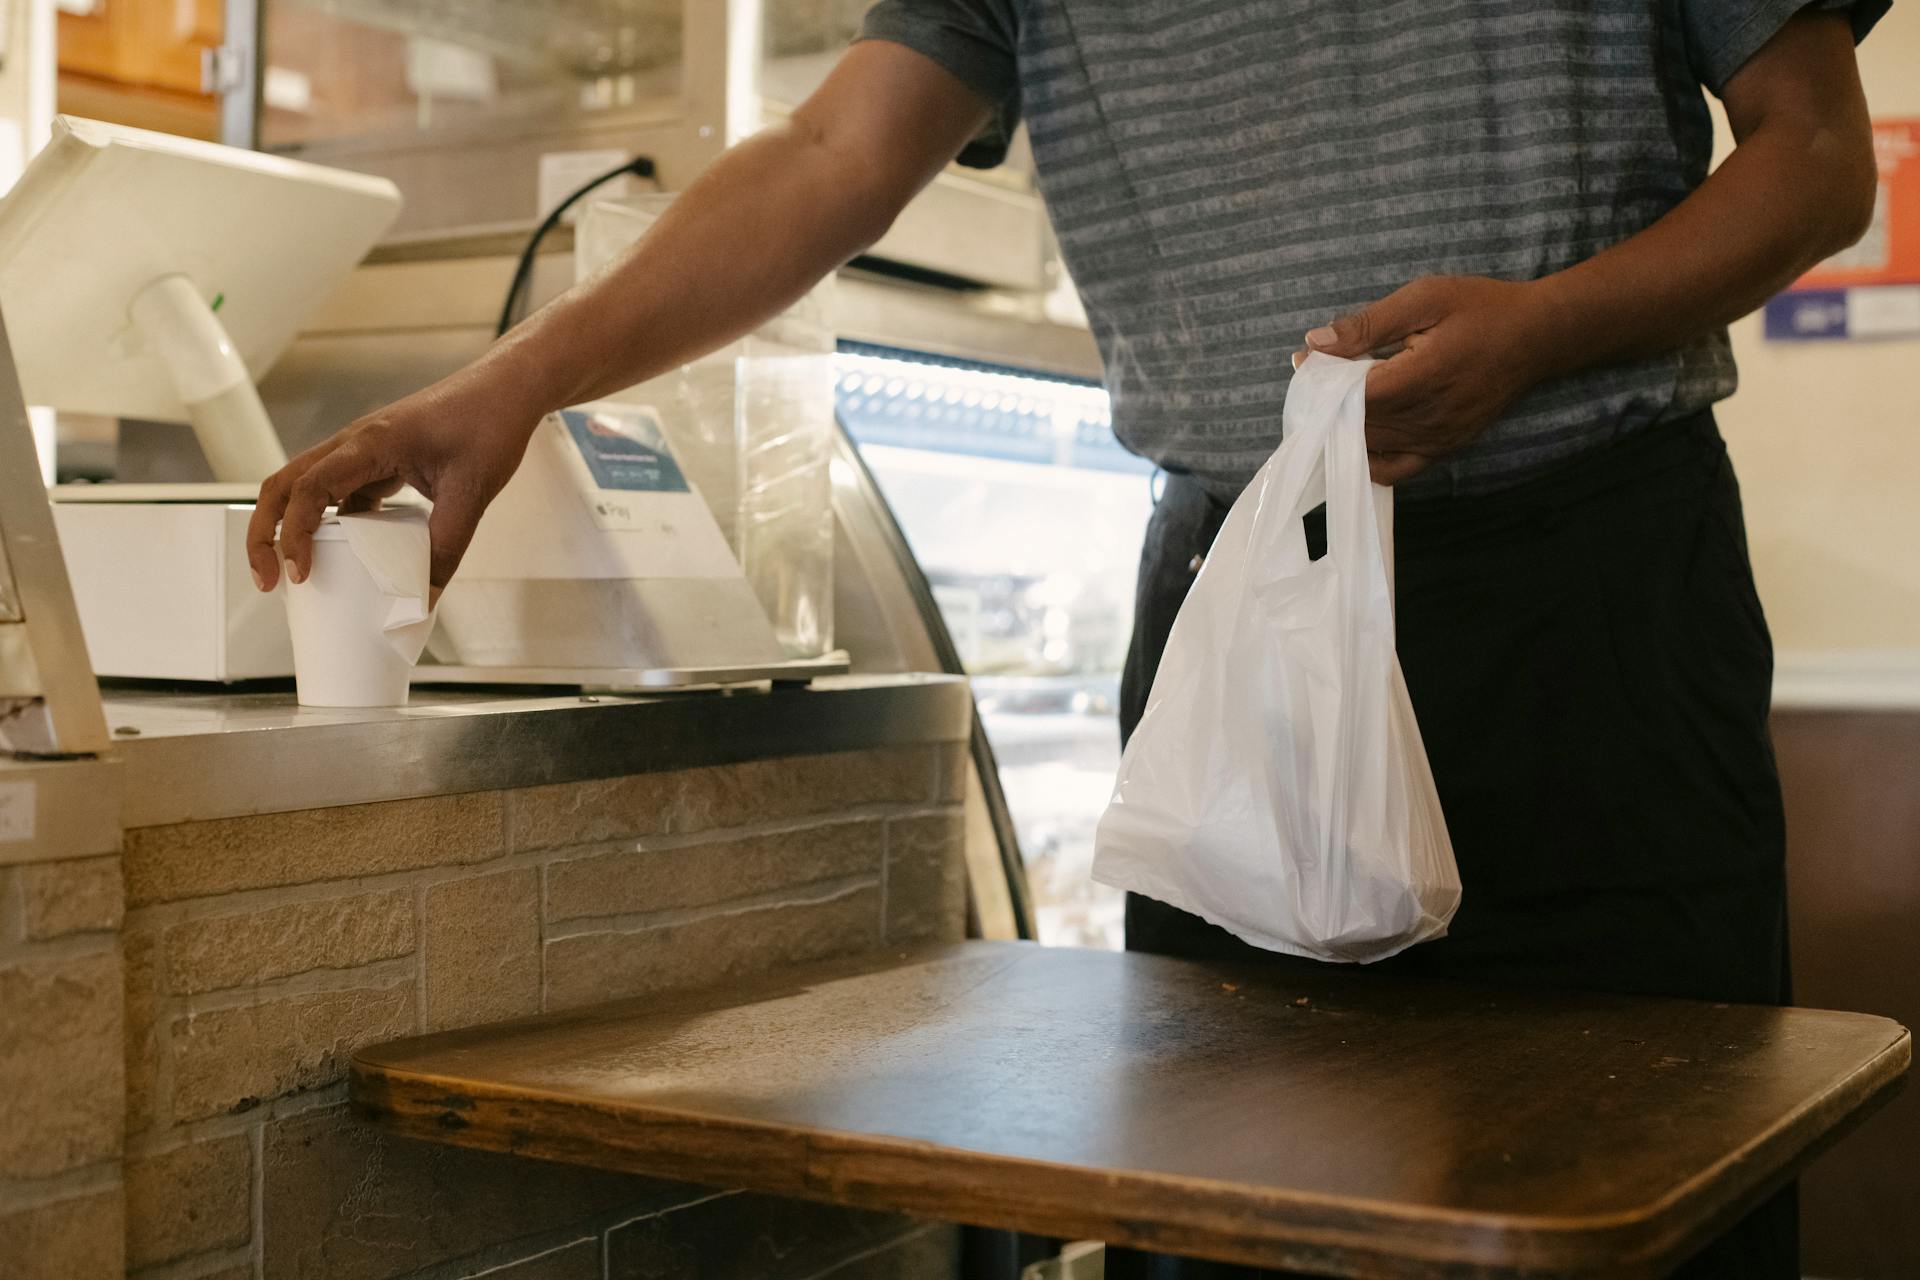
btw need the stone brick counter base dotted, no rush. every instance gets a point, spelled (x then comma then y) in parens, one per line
(260, 951)
(61, 1089)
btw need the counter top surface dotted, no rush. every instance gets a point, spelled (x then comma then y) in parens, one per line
(192, 713)
(209, 754)
(1341, 1122)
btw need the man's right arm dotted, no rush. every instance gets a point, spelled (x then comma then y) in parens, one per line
(757, 230)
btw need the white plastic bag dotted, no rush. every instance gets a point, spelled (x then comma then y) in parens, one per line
(1277, 785)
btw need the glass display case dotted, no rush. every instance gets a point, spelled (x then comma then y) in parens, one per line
(486, 113)
(1026, 516)
(800, 40)
(419, 72)
(344, 69)
(799, 43)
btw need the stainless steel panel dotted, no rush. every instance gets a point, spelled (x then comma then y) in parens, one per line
(496, 179)
(62, 714)
(992, 327)
(974, 230)
(9, 597)
(223, 755)
(74, 808)
(611, 623)
(19, 671)
(636, 679)
(239, 68)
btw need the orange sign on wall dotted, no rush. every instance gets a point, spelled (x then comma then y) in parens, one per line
(1890, 251)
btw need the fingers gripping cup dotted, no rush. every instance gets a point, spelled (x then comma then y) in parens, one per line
(360, 619)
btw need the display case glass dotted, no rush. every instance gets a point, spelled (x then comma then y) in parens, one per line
(487, 113)
(799, 43)
(1026, 516)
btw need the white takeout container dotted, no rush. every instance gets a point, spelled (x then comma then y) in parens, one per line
(359, 620)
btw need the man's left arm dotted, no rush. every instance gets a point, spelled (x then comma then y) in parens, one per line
(1798, 187)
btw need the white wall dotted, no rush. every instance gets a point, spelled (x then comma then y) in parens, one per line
(1826, 438)
(26, 115)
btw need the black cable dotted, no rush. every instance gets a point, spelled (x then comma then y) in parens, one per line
(640, 166)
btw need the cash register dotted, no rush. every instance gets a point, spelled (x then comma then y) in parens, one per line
(152, 277)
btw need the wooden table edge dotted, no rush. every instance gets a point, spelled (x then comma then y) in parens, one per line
(1804, 1135)
(1223, 1220)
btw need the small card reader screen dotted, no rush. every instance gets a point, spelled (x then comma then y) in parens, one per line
(625, 451)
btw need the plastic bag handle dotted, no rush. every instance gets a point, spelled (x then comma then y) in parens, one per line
(1358, 533)
(1293, 481)
(1326, 455)
(1330, 395)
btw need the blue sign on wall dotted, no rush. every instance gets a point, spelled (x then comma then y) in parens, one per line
(1868, 311)
(1806, 315)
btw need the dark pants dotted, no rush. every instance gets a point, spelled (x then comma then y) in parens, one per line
(1591, 673)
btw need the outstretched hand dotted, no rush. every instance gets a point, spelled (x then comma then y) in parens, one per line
(452, 442)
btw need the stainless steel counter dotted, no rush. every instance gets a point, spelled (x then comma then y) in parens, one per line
(187, 756)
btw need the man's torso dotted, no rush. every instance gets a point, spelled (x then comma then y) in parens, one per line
(1226, 174)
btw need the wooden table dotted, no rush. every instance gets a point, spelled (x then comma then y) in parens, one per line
(1345, 1123)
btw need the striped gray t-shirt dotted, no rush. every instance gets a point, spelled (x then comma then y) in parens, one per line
(1226, 174)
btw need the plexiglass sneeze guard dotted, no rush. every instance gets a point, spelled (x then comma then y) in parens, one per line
(752, 426)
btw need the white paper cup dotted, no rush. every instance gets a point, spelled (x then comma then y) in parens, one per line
(341, 654)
